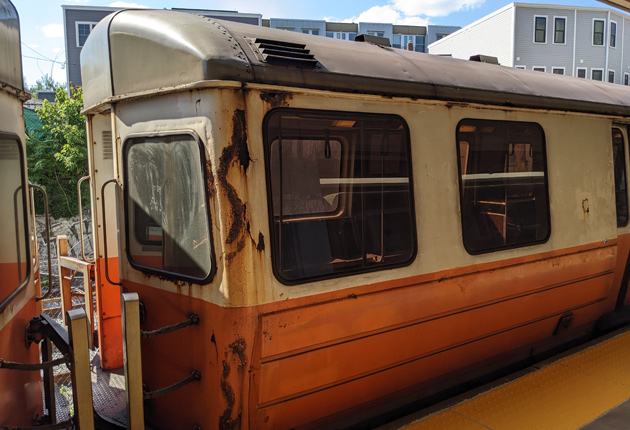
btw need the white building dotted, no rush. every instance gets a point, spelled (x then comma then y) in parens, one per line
(589, 43)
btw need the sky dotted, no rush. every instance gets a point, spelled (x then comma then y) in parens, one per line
(41, 21)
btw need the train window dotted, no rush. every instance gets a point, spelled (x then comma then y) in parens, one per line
(166, 206)
(341, 198)
(503, 184)
(621, 192)
(14, 253)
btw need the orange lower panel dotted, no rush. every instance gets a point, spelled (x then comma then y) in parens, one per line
(108, 311)
(21, 391)
(292, 362)
(12, 275)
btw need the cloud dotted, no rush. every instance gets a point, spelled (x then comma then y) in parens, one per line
(53, 30)
(434, 8)
(387, 13)
(128, 5)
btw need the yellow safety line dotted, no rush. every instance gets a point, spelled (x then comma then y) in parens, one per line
(564, 395)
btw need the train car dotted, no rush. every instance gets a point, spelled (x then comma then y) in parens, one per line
(21, 392)
(356, 227)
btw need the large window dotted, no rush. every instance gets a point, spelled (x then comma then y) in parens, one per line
(83, 30)
(14, 253)
(503, 184)
(402, 40)
(613, 34)
(598, 32)
(343, 35)
(341, 197)
(559, 33)
(540, 29)
(166, 206)
(621, 191)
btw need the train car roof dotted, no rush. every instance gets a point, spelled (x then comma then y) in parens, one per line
(135, 52)
(11, 64)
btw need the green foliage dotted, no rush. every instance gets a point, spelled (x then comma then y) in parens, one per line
(57, 154)
(46, 83)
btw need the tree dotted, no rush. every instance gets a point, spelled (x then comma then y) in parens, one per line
(57, 155)
(46, 83)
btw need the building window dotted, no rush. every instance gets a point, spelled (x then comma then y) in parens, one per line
(401, 41)
(613, 34)
(342, 35)
(376, 33)
(313, 31)
(440, 36)
(621, 192)
(286, 28)
(598, 32)
(581, 73)
(14, 258)
(611, 76)
(540, 29)
(557, 70)
(597, 74)
(559, 33)
(167, 217)
(83, 31)
(520, 67)
(503, 184)
(351, 210)
(539, 69)
(626, 79)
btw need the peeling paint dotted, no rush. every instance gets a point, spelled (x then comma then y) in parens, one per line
(276, 99)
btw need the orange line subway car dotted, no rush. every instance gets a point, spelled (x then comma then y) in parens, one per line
(357, 227)
(20, 391)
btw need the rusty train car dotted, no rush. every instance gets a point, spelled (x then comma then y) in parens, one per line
(357, 227)
(20, 392)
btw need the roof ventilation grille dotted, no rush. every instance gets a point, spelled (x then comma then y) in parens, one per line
(285, 53)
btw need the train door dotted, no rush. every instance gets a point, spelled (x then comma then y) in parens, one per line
(20, 391)
(620, 165)
(101, 168)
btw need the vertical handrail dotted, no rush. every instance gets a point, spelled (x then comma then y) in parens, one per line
(89, 260)
(81, 374)
(104, 214)
(37, 187)
(65, 288)
(132, 356)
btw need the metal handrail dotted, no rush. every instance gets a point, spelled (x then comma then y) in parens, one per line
(105, 231)
(49, 260)
(89, 260)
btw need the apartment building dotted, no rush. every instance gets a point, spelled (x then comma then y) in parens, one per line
(583, 42)
(80, 20)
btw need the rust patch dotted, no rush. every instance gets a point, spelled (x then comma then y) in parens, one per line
(261, 243)
(209, 179)
(236, 151)
(238, 348)
(276, 99)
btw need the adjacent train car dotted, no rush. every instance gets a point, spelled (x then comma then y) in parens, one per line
(357, 227)
(21, 392)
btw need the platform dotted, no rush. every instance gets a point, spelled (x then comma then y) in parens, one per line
(585, 388)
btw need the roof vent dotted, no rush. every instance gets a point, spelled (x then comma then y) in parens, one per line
(285, 53)
(374, 40)
(484, 59)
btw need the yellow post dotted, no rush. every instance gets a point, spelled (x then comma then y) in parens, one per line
(132, 359)
(81, 375)
(64, 277)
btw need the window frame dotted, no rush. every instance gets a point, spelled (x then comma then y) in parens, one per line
(614, 76)
(76, 28)
(597, 69)
(22, 286)
(564, 70)
(271, 215)
(603, 21)
(520, 67)
(626, 78)
(612, 38)
(555, 30)
(577, 72)
(544, 69)
(128, 230)
(461, 194)
(545, 17)
(625, 173)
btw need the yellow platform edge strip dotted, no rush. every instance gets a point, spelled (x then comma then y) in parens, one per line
(564, 395)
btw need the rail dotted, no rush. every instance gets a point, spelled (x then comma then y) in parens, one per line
(49, 259)
(68, 266)
(81, 233)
